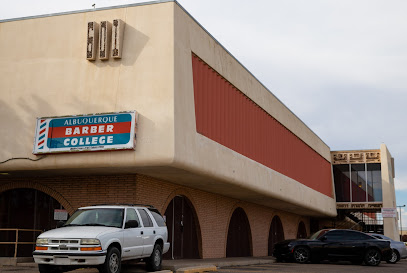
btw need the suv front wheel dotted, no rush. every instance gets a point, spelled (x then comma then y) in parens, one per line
(112, 263)
(154, 261)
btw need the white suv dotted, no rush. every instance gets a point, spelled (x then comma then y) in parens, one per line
(102, 236)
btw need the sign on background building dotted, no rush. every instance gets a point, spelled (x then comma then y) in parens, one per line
(94, 132)
(389, 212)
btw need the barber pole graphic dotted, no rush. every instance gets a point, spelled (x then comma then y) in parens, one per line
(42, 134)
(109, 131)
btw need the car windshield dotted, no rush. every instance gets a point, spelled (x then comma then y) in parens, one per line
(318, 234)
(97, 217)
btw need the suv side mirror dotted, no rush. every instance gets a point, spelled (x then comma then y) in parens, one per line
(131, 224)
(323, 239)
(60, 224)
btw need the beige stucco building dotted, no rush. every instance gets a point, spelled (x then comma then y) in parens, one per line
(210, 143)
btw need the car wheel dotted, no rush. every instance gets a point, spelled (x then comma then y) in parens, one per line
(395, 257)
(302, 255)
(112, 263)
(372, 257)
(154, 261)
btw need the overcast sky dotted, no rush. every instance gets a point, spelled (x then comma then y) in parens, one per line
(339, 65)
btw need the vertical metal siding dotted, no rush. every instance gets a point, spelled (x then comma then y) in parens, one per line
(227, 116)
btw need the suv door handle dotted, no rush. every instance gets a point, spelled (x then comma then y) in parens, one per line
(142, 232)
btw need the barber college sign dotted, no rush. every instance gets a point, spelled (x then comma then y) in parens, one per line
(109, 131)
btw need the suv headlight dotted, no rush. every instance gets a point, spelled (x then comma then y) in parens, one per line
(90, 242)
(42, 241)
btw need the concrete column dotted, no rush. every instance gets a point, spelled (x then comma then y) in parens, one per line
(390, 225)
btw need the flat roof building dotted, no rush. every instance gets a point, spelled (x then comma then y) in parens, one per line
(140, 104)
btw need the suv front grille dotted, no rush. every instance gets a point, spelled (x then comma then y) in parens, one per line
(64, 244)
(64, 248)
(64, 241)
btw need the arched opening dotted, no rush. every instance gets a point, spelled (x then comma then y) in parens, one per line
(183, 229)
(302, 231)
(276, 234)
(239, 235)
(25, 209)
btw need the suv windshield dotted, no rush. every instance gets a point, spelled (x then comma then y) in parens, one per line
(97, 217)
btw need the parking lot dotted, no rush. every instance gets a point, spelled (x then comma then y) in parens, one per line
(272, 267)
(320, 268)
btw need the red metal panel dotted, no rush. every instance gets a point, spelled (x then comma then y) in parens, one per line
(226, 115)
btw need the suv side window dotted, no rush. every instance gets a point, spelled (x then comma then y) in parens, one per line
(145, 218)
(157, 217)
(132, 215)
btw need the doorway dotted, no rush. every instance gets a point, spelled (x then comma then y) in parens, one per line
(183, 229)
(239, 235)
(302, 231)
(25, 209)
(276, 234)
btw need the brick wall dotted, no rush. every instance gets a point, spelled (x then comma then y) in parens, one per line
(213, 211)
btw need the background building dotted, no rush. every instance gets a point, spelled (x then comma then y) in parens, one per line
(364, 185)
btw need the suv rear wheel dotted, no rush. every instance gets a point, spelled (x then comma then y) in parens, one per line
(154, 261)
(112, 263)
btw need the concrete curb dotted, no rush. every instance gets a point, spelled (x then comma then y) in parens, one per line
(197, 269)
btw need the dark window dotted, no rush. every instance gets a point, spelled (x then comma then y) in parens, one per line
(358, 176)
(358, 183)
(354, 235)
(132, 215)
(158, 218)
(145, 218)
(342, 182)
(335, 235)
(374, 182)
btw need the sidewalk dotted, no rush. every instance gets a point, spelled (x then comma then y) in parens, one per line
(174, 265)
(178, 265)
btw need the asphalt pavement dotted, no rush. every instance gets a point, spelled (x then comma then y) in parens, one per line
(240, 265)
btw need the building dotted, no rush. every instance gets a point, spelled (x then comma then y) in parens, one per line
(364, 186)
(184, 127)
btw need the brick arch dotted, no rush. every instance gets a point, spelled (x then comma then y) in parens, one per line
(238, 205)
(179, 191)
(189, 198)
(47, 190)
(301, 228)
(278, 223)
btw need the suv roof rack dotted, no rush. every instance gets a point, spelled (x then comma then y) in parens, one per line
(123, 204)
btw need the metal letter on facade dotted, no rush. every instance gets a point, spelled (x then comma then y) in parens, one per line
(117, 38)
(104, 41)
(92, 39)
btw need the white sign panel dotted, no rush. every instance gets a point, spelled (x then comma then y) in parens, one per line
(60, 215)
(389, 212)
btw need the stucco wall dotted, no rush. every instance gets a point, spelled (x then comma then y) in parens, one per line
(44, 72)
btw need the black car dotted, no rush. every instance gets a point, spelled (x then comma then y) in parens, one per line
(334, 245)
